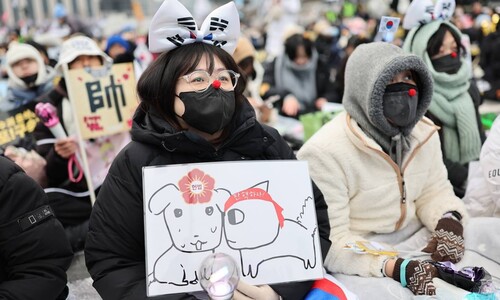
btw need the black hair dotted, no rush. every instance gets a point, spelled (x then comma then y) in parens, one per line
(436, 40)
(294, 42)
(157, 86)
(40, 48)
(356, 40)
(246, 62)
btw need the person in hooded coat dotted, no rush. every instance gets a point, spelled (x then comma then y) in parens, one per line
(455, 100)
(29, 77)
(380, 168)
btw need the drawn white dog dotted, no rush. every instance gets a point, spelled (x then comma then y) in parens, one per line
(193, 217)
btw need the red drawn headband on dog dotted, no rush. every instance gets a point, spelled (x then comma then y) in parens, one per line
(255, 194)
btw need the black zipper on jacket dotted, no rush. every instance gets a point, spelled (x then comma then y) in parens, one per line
(403, 195)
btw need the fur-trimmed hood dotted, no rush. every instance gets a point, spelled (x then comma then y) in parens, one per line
(369, 69)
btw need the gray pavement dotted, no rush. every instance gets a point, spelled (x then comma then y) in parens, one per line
(79, 281)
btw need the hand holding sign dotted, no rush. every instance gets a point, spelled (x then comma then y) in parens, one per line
(48, 114)
(65, 147)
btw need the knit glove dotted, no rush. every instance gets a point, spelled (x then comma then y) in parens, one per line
(447, 241)
(418, 276)
(258, 292)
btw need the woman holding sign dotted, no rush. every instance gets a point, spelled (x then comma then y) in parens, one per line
(68, 189)
(29, 78)
(192, 110)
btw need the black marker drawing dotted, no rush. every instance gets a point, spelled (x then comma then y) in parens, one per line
(196, 214)
(193, 217)
(254, 224)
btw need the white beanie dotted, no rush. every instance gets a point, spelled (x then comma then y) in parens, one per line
(77, 46)
(19, 52)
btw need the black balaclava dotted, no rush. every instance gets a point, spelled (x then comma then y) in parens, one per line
(366, 82)
(400, 102)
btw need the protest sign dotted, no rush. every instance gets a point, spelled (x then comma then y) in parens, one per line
(17, 124)
(104, 103)
(261, 213)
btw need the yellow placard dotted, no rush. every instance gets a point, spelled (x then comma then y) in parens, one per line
(376, 248)
(104, 105)
(17, 124)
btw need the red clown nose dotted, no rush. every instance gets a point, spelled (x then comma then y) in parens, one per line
(412, 92)
(454, 54)
(216, 84)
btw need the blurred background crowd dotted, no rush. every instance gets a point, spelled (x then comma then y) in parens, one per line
(292, 54)
(329, 28)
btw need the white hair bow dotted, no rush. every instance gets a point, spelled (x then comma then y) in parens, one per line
(421, 12)
(173, 26)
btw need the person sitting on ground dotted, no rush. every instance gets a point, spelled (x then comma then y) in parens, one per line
(302, 84)
(29, 77)
(456, 98)
(34, 251)
(380, 167)
(192, 110)
(68, 192)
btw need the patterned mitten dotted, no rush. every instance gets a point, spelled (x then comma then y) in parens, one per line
(418, 276)
(447, 241)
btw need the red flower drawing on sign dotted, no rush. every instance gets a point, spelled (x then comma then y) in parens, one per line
(196, 187)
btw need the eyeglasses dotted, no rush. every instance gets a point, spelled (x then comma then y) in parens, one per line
(200, 80)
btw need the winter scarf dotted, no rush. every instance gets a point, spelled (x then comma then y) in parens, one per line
(18, 97)
(300, 81)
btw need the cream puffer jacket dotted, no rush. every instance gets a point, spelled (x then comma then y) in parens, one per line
(366, 192)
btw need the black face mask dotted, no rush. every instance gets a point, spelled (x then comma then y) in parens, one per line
(495, 67)
(447, 64)
(30, 80)
(209, 111)
(400, 103)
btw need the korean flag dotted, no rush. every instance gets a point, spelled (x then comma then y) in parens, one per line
(389, 24)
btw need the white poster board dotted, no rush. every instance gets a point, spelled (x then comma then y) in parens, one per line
(265, 209)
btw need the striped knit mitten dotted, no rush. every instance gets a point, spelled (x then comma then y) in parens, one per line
(447, 241)
(418, 276)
